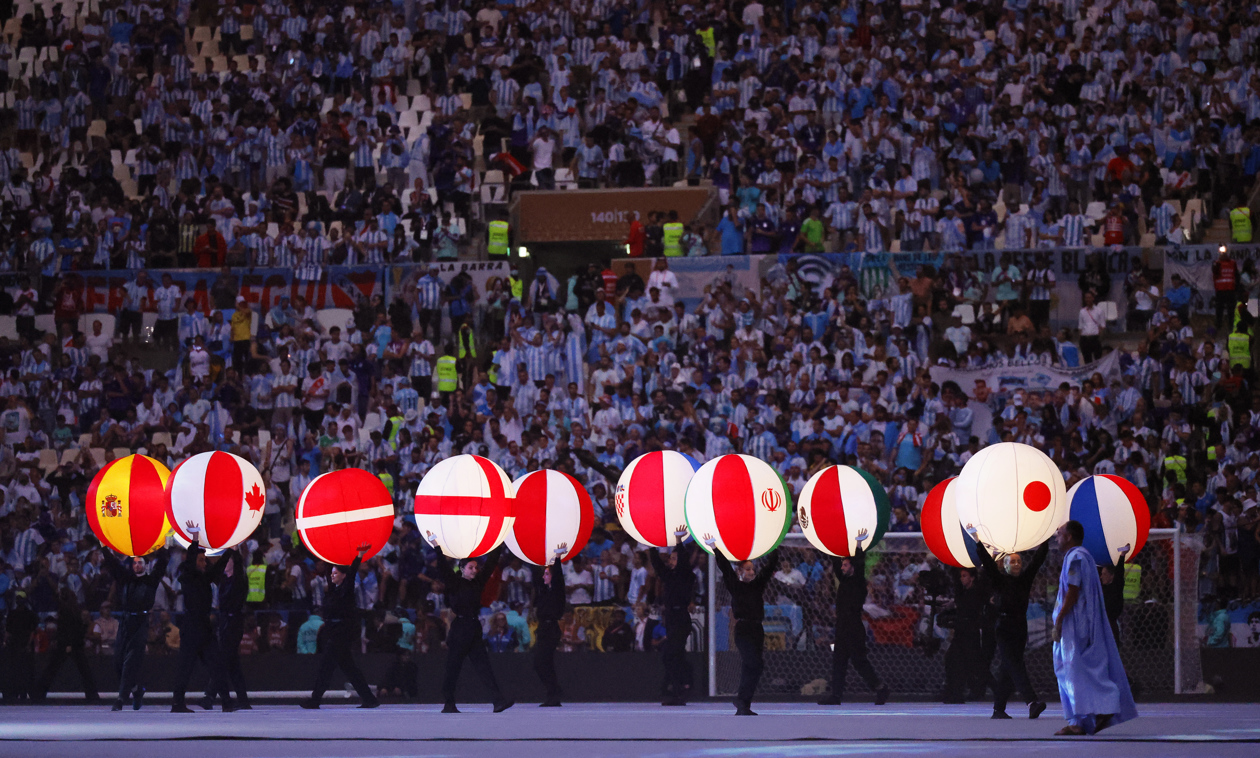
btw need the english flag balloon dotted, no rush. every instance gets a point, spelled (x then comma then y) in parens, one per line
(464, 505)
(1114, 513)
(837, 503)
(943, 532)
(650, 495)
(1013, 495)
(221, 494)
(552, 509)
(742, 503)
(341, 510)
(126, 505)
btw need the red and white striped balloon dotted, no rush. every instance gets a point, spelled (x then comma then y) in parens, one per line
(223, 494)
(836, 504)
(650, 496)
(551, 509)
(464, 505)
(942, 531)
(742, 503)
(341, 510)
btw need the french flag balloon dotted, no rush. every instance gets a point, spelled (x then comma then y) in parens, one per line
(741, 503)
(837, 503)
(1013, 495)
(221, 494)
(464, 505)
(552, 510)
(650, 495)
(943, 532)
(1114, 513)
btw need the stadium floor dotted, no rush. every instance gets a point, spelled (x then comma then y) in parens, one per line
(709, 729)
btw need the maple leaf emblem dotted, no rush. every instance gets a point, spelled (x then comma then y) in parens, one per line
(254, 498)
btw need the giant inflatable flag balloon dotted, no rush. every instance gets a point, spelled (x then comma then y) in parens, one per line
(1013, 495)
(464, 505)
(341, 510)
(1114, 513)
(552, 510)
(650, 493)
(943, 532)
(222, 494)
(837, 503)
(742, 503)
(126, 505)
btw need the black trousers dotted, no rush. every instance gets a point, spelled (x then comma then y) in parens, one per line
(17, 671)
(58, 657)
(341, 636)
(548, 637)
(1012, 675)
(964, 664)
(231, 628)
(851, 648)
(1091, 348)
(750, 640)
(1226, 300)
(197, 643)
(1039, 312)
(129, 649)
(465, 643)
(674, 652)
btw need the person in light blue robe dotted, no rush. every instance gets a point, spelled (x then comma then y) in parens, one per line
(1092, 684)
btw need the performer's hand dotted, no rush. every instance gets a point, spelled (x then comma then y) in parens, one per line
(860, 537)
(709, 541)
(681, 532)
(193, 530)
(971, 530)
(363, 548)
(1124, 551)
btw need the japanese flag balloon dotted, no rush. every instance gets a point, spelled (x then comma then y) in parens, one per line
(464, 506)
(341, 510)
(126, 505)
(837, 503)
(222, 494)
(742, 503)
(552, 510)
(650, 496)
(943, 532)
(1013, 495)
(1114, 513)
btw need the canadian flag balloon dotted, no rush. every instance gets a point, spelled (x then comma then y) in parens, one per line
(1114, 513)
(839, 502)
(552, 510)
(341, 510)
(943, 532)
(1013, 495)
(464, 505)
(741, 503)
(650, 495)
(221, 494)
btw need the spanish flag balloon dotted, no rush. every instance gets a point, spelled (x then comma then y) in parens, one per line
(126, 505)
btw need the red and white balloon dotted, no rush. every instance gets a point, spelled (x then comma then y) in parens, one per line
(223, 495)
(1114, 513)
(742, 503)
(552, 510)
(341, 510)
(650, 496)
(1013, 495)
(942, 531)
(464, 505)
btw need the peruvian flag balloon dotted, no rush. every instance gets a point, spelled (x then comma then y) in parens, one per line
(943, 532)
(552, 510)
(837, 503)
(464, 505)
(1013, 495)
(740, 502)
(1114, 513)
(219, 493)
(341, 510)
(126, 505)
(650, 495)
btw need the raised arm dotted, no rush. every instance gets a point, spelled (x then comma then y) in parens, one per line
(654, 555)
(154, 577)
(987, 560)
(492, 562)
(767, 568)
(1038, 559)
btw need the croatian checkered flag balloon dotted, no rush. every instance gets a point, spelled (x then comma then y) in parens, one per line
(221, 494)
(341, 510)
(943, 532)
(1013, 495)
(464, 505)
(650, 495)
(1114, 513)
(742, 503)
(839, 502)
(552, 510)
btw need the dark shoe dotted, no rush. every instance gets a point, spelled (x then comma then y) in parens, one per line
(450, 708)
(744, 709)
(503, 706)
(1103, 721)
(181, 708)
(1000, 715)
(243, 706)
(370, 704)
(118, 705)
(549, 704)
(831, 700)
(137, 699)
(309, 704)
(207, 704)
(881, 696)
(1035, 708)
(229, 708)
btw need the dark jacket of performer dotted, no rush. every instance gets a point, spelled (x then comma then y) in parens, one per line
(964, 668)
(231, 620)
(679, 589)
(464, 641)
(71, 634)
(196, 633)
(134, 599)
(748, 608)
(1010, 597)
(549, 607)
(341, 627)
(850, 636)
(1113, 599)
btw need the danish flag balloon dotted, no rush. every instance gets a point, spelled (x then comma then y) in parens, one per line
(742, 503)
(464, 505)
(1013, 495)
(552, 511)
(341, 510)
(943, 532)
(1114, 513)
(839, 502)
(650, 495)
(126, 505)
(220, 494)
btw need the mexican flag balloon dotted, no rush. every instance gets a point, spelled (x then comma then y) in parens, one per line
(464, 505)
(223, 495)
(837, 503)
(552, 509)
(650, 493)
(742, 503)
(126, 505)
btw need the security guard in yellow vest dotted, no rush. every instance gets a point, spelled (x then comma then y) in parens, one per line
(672, 234)
(1175, 463)
(1132, 582)
(1239, 345)
(1240, 224)
(497, 237)
(516, 284)
(447, 372)
(256, 573)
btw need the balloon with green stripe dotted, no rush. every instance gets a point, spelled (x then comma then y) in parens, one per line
(837, 504)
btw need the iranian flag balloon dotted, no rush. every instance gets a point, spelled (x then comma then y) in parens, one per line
(552, 509)
(943, 532)
(464, 505)
(341, 510)
(221, 494)
(837, 503)
(1013, 495)
(650, 495)
(126, 505)
(742, 503)
(1114, 513)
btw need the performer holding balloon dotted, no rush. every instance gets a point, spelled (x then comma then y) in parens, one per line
(196, 635)
(679, 589)
(463, 595)
(341, 618)
(747, 588)
(136, 588)
(229, 574)
(549, 605)
(850, 635)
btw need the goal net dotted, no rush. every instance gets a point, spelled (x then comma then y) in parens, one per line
(907, 612)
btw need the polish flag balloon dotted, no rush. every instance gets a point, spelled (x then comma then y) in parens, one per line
(1013, 495)
(943, 532)
(552, 509)
(126, 505)
(837, 503)
(464, 506)
(221, 494)
(341, 510)
(742, 503)
(650, 494)
(1114, 513)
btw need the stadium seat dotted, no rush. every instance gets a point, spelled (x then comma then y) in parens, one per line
(421, 103)
(264, 438)
(162, 438)
(1109, 308)
(47, 459)
(69, 455)
(330, 317)
(493, 194)
(565, 180)
(46, 323)
(98, 456)
(147, 322)
(85, 441)
(121, 452)
(1194, 212)
(8, 328)
(408, 119)
(202, 34)
(247, 32)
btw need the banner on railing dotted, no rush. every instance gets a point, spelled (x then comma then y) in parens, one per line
(1194, 265)
(1005, 379)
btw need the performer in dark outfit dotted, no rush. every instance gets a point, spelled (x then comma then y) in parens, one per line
(850, 636)
(71, 632)
(747, 588)
(1011, 589)
(341, 625)
(196, 634)
(549, 605)
(679, 590)
(229, 574)
(964, 667)
(135, 593)
(464, 641)
(1112, 578)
